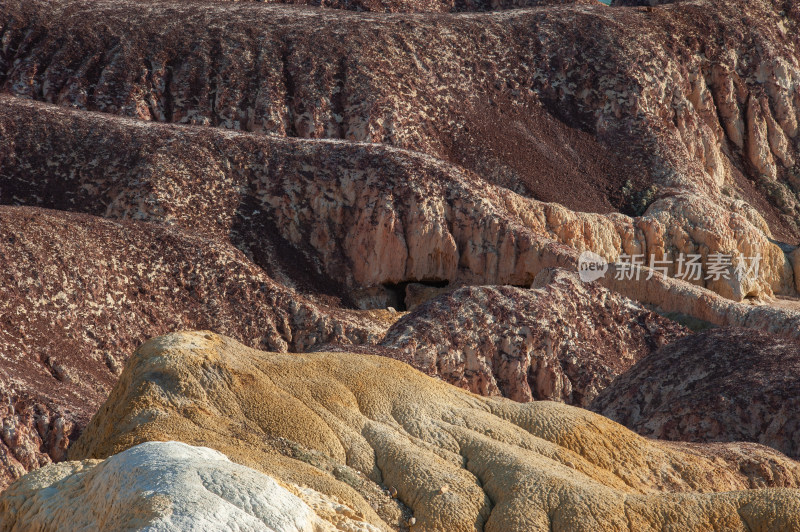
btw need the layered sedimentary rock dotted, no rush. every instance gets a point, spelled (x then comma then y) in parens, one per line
(79, 293)
(710, 139)
(328, 218)
(259, 170)
(719, 385)
(563, 340)
(459, 461)
(483, 234)
(165, 486)
(315, 214)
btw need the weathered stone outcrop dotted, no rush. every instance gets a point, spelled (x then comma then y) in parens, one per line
(37, 426)
(79, 293)
(676, 296)
(327, 218)
(459, 461)
(719, 385)
(703, 98)
(563, 340)
(166, 486)
(318, 215)
(84, 328)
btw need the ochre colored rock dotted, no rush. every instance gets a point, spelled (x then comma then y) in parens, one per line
(564, 340)
(717, 386)
(459, 461)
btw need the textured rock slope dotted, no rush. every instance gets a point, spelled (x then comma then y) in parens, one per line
(79, 293)
(343, 425)
(707, 117)
(720, 385)
(264, 170)
(563, 341)
(314, 214)
(164, 486)
(318, 216)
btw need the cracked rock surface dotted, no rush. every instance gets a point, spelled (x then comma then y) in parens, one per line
(457, 460)
(720, 385)
(564, 340)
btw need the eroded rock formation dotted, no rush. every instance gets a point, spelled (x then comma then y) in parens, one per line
(166, 486)
(78, 293)
(328, 218)
(458, 460)
(266, 170)
(563, 340)
(710, 137)
(719, 385)
(707, 118)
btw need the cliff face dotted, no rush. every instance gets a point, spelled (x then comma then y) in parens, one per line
(698, 133)
(329, 218)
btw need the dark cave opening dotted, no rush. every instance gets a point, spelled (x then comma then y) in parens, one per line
(399, 290)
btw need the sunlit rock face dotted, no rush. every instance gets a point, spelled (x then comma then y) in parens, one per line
(164, 486)
(685, 113)
(297, 177)
(345, 425)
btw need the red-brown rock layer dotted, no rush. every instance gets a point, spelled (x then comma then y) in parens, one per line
(562, 341)
(79, 293)
(622, 77)
(717, 386)
(328, 218)
(686, 113)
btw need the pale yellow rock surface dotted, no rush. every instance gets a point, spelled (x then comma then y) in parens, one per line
(678, 296)
(459, 461)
